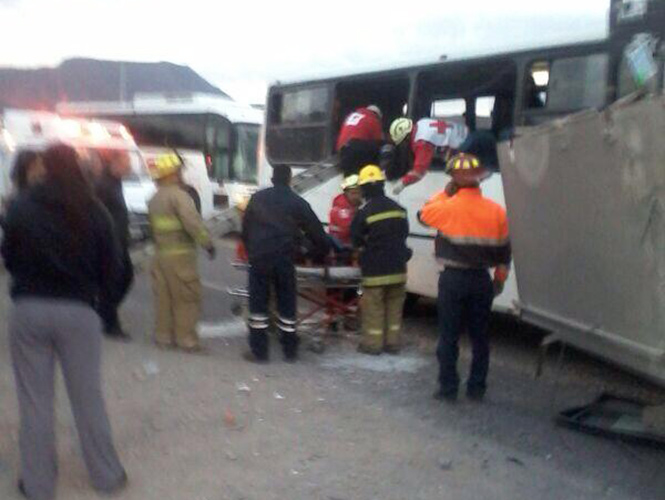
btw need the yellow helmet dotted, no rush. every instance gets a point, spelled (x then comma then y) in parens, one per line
(164, 165)
(399, 129)
(370, 174)
(350, 182)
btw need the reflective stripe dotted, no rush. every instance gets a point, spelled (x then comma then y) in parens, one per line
(258, 317)
(393, 214)
(165, 224)
(374, 332)
(393, 279)
(395, 328)
(287, 329)
(474, 240)
(287, 321)
(176, 249)
(203, 238)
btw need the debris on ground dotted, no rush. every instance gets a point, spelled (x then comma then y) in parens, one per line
(277, 395)
(243, 387)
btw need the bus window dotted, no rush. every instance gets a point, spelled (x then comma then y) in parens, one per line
(218, 146)
(578, 83)
(304, 106)
(452, 109)
(244, 168)
(537, 83)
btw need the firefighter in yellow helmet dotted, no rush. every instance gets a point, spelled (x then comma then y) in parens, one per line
(379, 230)
(177, 229)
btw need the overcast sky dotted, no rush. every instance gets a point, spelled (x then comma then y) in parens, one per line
(241, 46)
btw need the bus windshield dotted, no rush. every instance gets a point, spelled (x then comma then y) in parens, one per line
(244, 160)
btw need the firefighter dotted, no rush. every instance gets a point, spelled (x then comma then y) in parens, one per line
(177, 229)
(472, 237)
(360, 139)
(379, 230)
(274, 221)
(420, 145)
(343, 210)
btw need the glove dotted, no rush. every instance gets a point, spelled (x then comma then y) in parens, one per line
(399, 187)
(212, 252)
(452, 188)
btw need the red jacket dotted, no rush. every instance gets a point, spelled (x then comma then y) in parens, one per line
(362, 125)
(341, 216)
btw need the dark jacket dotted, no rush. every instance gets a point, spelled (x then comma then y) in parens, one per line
(380, 229)
(109, 191)
(275, 221)
(46, 260)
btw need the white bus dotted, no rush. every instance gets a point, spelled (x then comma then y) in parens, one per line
(217, 137)
(496, 93)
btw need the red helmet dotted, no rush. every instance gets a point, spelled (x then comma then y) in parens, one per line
(466, 167)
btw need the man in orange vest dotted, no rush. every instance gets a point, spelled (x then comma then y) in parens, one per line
(472, 237)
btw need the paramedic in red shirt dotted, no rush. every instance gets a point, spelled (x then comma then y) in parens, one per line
(426, 140)
(360, 139)
(343, 210)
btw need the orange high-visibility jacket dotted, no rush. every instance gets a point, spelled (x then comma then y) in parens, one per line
(472, 231)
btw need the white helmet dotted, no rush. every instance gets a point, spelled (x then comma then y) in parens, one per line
(399, 129)
(375, 109)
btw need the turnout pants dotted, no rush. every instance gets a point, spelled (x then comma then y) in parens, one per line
(42, 330)
(277, 273)
(382, 309)
(177, 290)
(464, 303)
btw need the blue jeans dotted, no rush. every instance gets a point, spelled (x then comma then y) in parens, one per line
(464, 303)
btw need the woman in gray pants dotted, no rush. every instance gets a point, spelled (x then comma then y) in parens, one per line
(60, 251)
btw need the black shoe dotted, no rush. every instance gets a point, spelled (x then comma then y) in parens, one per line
(21, 489)
(117, 333)
(475, 394)
(366, 350)
(447, 396)
(120, 486)
(253, 358)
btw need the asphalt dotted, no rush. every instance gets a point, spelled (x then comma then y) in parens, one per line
(339, 425)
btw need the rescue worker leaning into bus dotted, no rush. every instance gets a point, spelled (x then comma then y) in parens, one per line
(177, 229)
(419, 145)
(343, 210)
(472, 237)
(379, 230)
(272, 229)
(360, 139)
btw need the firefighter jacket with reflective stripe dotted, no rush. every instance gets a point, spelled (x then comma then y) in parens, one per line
(274, 223)
(379, 230)
(472, 231)
(176, 225)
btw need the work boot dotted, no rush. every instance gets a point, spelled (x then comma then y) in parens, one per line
(393, 350)
(120, 486)
(475, 394)
(362, 348)
(250, 357)
(445, 396)
(290, 343)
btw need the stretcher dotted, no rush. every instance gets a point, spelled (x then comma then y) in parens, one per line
(324, 290)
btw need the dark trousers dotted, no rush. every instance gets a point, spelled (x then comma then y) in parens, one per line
(357, 154)
(464, 303)
(108, 304)
(276, 273)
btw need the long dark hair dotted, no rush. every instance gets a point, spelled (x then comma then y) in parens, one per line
(69, 189)
(19, 173)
